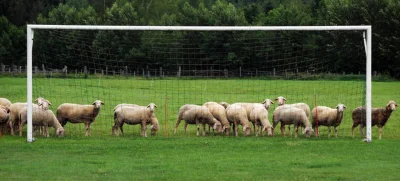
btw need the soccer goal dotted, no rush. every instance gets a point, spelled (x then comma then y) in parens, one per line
(176, 65)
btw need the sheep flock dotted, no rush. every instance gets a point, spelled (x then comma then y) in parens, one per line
(224, 118)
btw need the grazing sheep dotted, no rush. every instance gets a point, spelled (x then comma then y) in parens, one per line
(124, 105)
(302, 106)
(379, 117)
(260, 117)
(328, 117)
(194, 114)
(77, 113)
(5, 102)
(135, 115)
(14, 119)
(43, 118)
(43, 103)
(4, 116)
(219, 113)
(155, 126)
(237, 115)
(291, 115)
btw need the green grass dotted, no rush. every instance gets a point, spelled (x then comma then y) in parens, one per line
(184, 157)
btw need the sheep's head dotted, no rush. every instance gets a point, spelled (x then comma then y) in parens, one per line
(267, 103)
(269, 130)
(217, 126)
(154, 128)
(246, 130)
(340, 107)
(225, 104)
(391, 106)
(43, 103)
(152, 107)
(60, 131)
(308, 131)
(281, 100)
(97, 103)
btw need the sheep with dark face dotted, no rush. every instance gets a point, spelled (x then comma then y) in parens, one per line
(135, 115)
(328, 117)
(78, 113)
(194, 114)
(379, 117)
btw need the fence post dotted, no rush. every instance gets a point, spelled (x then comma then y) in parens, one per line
(43, 69)
(3, 68)
(240, 71)
(85, 69)
(274, 72)
(126, 70)
(226, 73)
(106, 70)
(179, 72)
(160, 71)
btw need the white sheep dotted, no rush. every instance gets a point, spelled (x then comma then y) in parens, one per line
(135, 115)
(219, 113)
(43, 103)
(14, 119)
(4, 116)
(328, 117)
(43, 118)
(379, 117)
(5, 102)
(249, 108)
(237, 115)
(292, 115)
(78, 113)
(260, 117)
(281, 100)
(194, 114)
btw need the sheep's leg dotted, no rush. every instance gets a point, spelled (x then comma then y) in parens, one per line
(87, 126)
(336, 131)
(198, 127)
(362, 130)
(380, 132)
(20, 129)
(144, 134)
(296, 130)
(176, 125)
(185, 127)
(290, 131)
(204, 129)
(121, 128)
(46, 130)
(329, 131)
(236, 129)
(283, 129)
(10, 123)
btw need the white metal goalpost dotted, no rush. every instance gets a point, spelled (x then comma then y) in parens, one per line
(367, 42)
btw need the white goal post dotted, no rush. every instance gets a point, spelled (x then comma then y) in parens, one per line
(367, 41)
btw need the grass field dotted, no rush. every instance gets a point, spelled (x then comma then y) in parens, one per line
(184, 157)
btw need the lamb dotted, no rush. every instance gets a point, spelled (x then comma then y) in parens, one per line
(4, 116)
(194, 114)
(77, 113)
(5, 102)
(328, 117)
(15, 110)
(236, 114)
(379, 117)
(135, 115)
(219, 113)
(292, 115)
(43, 118)
(260, 117)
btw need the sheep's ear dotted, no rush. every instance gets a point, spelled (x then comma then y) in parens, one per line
(284, 99)
(102, 103)
(155, 105)
(49, 102)
(276, 99)
(395, 105)
(36, 99)
(272, 102)
(344, 107)
(264, 102)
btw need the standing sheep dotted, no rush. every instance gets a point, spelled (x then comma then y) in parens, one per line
(249, 108)
(77, 113)
(281, 100)
(379, 117)
(124, 105)
(14, 119)
(43, 118)
(260, 117)
(219, 113)
(292, 115)
(135, 115)
(5, 102)
(237, 115)
(194, 114)
(328, 117)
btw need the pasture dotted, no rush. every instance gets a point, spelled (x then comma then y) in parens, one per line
(213, 157)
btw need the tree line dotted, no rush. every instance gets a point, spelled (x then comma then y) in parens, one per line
(139, 48)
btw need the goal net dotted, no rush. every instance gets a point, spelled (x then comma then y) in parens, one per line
(173, 66)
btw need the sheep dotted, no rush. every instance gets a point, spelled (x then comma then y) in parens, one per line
(194, 114)
(43, 118)
(5, 102)
(250, 106)
(379, 117)
(135, 115)
(236, 114)
(328, 117)
(281, 102)
(15, 109)
(260, 117)
(4, 116)
(219, 113)
(292, 115)
(43, 103)
(77, 113)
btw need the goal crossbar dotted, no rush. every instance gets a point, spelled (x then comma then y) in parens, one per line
(367, 41)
